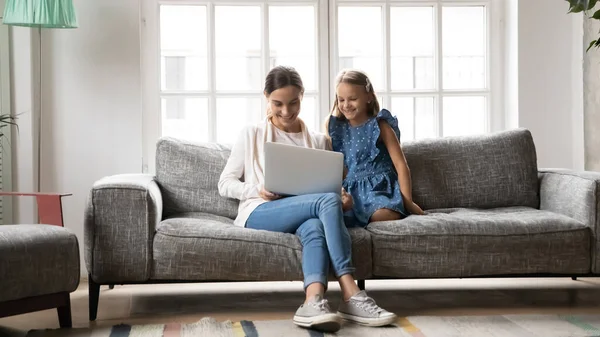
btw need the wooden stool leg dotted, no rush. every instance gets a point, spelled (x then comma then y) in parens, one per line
(64, 313)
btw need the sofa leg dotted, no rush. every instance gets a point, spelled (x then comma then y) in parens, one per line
(94, 296)
(64, 313)
(361, 284)
(574, 278)
(111, 286)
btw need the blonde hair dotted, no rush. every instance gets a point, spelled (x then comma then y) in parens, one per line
(356, 77)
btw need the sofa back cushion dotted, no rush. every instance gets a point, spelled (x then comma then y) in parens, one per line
(495, 170)
(486, 171)
(188, 174)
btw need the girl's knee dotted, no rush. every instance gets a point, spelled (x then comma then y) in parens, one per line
(385, 214)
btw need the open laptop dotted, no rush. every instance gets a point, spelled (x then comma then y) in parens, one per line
(296, 170)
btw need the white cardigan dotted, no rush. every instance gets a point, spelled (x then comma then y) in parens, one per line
(243, 175)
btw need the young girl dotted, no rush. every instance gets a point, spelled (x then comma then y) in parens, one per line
(377, 176)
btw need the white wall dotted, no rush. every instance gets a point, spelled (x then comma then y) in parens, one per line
(92, 122)
(92, 94)
(546, 63)
(577, 91)
(592, 98)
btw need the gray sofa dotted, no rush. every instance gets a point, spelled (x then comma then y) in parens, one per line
(491, 212)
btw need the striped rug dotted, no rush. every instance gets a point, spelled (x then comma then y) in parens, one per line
(418, 326)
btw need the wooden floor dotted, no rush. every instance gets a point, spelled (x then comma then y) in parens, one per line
(140, 304)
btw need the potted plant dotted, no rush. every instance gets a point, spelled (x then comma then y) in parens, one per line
(586, 6)
(6, 120)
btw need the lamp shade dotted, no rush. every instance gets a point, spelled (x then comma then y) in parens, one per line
(40, 13)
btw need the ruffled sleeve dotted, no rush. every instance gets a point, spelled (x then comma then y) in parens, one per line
(385, 115)
(336, 132)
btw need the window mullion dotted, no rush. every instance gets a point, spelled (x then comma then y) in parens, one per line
(440, 69)
(333, 48)
(323, 61)
(491, 123)
(212, 76)
(387, 55)
(266, 51)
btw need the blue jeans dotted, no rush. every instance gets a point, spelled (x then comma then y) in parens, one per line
(318, 221)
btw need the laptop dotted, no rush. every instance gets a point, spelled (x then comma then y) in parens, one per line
(295, 170)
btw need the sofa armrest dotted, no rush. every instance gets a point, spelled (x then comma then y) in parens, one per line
(120, 220)
(576, 195)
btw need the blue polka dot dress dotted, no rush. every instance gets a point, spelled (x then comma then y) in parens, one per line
(371, 179)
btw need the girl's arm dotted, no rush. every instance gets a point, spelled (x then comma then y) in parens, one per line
(230, 185)
(393, 146)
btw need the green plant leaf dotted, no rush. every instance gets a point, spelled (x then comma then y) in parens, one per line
(576, 9)
(577, 6)
(596, 15)
(595, 43)
(5, 120)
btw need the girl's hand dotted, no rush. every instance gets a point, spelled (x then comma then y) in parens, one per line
(268, 196)
(347, 201)
(413, 208)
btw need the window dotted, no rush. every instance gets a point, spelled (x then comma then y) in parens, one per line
(214, 56)
(205, 62)
(429, 63)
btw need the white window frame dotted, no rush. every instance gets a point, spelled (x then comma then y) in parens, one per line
(493, 86)
(151, 82)
(327, 61)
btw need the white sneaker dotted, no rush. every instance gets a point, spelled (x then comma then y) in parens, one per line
(316, 314)
(363, 310)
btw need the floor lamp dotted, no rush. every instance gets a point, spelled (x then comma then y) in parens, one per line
(40, 14)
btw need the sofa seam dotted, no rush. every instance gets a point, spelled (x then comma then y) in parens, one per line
(569, 175)
(220, 239)
(238, 240)
(138, 187)
(487, 235)
(144, 188)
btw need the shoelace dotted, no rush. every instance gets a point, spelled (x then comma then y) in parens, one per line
(322, 305)
(368, 304)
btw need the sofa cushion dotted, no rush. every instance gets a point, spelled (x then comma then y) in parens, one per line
(487, 171)
(199, 246)
(469, 242)
(37, 260)
(188, 174)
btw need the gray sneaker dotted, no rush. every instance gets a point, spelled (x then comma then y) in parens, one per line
(362, 309)
(316, 314)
